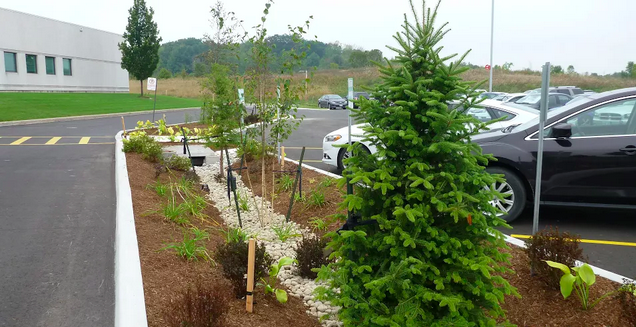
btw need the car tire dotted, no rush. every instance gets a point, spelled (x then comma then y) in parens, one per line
(515, 186)
(342, 154)
(319, 104)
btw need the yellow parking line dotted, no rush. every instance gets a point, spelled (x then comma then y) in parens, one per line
(307, 160)
(53, 140)
(587, 241)
(84, 140)
(20, 140)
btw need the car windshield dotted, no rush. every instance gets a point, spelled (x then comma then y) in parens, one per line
(552, 113)
(335, 97)
(530, 99)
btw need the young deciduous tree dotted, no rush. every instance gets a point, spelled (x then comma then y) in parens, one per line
(429, 251)
(140, 49)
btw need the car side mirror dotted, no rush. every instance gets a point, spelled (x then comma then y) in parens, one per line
(562, 130)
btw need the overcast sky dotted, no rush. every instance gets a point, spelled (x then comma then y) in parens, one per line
(592, 35)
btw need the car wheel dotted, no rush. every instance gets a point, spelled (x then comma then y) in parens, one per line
(319, 105)
(344, 154)
(512, 205)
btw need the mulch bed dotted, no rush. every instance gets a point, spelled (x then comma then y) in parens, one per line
(538, 306)
(165, 275)
(191, 126)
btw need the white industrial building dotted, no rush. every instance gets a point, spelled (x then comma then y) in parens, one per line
(42, 54)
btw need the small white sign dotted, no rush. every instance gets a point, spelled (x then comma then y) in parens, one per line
(350, 93)
(241, 95)
(152, 84)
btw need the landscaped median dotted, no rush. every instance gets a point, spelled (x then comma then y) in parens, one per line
(187, 236)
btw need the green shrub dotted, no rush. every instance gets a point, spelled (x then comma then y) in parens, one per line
(203, 306)
(430, 255)
(178, 163)
(164, 74)
(551, 245)
(311, 255)
(145, 145)
(233, 258)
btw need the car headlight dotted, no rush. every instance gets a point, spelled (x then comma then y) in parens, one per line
(333, 138)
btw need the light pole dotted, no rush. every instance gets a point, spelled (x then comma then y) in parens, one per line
(492, 33)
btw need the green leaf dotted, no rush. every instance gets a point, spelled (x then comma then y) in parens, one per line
(565, 269)
(587, 274)
(567, 283)
(281, 295)
(286, 261)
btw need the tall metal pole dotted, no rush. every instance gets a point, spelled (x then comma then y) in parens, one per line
(545, 84)
(492, 34)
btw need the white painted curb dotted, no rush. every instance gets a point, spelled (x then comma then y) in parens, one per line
(515, 241)
(318, 170)
(130, 306)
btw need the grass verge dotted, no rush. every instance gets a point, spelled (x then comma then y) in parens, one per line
(22, 106)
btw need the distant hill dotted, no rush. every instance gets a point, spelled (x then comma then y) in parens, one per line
(187, 55)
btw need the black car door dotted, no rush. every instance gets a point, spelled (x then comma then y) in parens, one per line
(597, 164)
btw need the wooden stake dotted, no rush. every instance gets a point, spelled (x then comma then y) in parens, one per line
(123, 125)
(282, 160)
(249, 299)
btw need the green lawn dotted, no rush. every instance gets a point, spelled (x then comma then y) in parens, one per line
(21, 106)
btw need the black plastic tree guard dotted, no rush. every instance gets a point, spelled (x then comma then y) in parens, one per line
(231, 185)
(299, 173)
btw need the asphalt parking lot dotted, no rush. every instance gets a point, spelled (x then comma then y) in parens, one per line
(609, 236)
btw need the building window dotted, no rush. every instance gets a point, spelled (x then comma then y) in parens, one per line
(32, 64)
(50, 65)
(10, 62)
(67, 67)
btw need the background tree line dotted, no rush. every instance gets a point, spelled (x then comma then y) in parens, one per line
(191, 56)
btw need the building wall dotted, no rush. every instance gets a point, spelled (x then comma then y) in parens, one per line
(95, 55)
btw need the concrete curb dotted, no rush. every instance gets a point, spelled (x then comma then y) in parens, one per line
(87, 117)
(130, 306)
(511, 240)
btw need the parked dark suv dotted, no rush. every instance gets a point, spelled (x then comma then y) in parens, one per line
(589, 155)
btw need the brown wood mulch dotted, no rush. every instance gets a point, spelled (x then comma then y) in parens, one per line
(165, 275)
(538, 306)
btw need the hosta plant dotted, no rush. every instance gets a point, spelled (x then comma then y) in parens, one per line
(429, 251)
(269, 284)
(579, 283)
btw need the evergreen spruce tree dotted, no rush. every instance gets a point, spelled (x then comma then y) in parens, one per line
(140, 49)
(431, 255)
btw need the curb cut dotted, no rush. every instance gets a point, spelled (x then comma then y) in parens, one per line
(86, 117)
(130, 306)
(511, 240)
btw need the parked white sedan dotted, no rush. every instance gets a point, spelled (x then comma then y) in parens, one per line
(490, 109)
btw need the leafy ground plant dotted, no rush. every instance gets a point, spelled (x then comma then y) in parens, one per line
(234, 235)
(285, 232)
(175, 212)
(201, 306)
(627, 297)
(429, 251)
(580, 283)
(243, 201)
(274, 270)
(316, 198)
(327, 182)
(285, 183)
(319, 224)
(194, 204)
(178, 163)
(139, 142)
(160, 188)
(190, 248)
